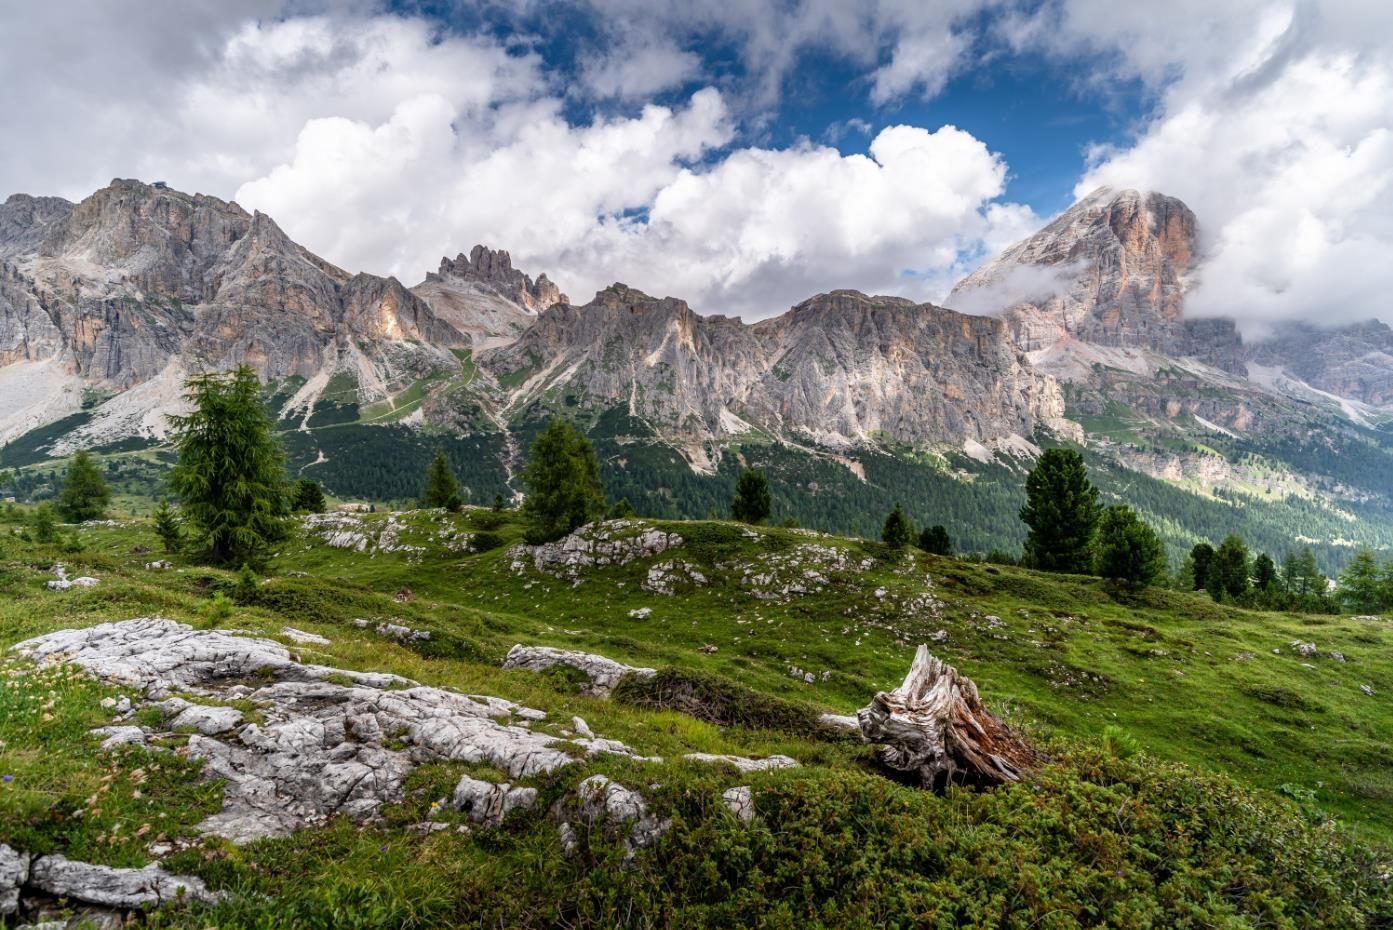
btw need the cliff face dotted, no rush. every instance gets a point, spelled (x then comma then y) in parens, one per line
(1109, 271)
(1353, 362)
(838, 369)
(139, 280)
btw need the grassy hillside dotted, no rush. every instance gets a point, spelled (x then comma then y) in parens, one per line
(1261, 796)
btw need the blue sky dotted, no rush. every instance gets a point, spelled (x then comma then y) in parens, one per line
(740, 154)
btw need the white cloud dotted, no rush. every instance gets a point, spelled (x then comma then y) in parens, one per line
(639, 67)
(1275, 124)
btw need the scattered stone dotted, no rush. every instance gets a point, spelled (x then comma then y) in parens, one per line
(159, 566)
(743, 764)
(665, 577)
(1305, 650)
(641, 613)
(401, 633)
(1338, 656)
(123, 705)
(14, 875)
(740, 802)
(303, 638)
(938, 636)
(85, 582)
(114, 737)
(934, 725)
(488, 804)
(1367, 689)
(582, 728)
(612, 542)
(403, 595)
(708, 648)
(617, 810)
(603, 673)
(124, 888)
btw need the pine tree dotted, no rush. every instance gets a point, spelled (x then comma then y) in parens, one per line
(1230, 572)
(85, 495)
(1202, 555)
(167, 527)
(498, 503)
(1361, 585)
(441, 490)
(1128, 550)
(230, 477)
(562, 476)
(1264, 573)
(935, 540)
(751, 503)
(308, 496)
(1061, 511)
(898, 532)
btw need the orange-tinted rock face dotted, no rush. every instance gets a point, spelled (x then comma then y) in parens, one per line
(1110, 270)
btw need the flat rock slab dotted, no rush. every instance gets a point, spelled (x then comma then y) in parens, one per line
(99, 884)
(743, 764)
(603, 673)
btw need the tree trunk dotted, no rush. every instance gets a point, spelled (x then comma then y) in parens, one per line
(934, 726)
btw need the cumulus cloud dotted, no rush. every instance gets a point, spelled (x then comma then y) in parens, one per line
(1275, 124)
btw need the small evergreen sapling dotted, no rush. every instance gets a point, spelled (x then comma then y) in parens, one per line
(898, 532)
(85, 495)
(751, 503)
(441, 490)
(168, 528)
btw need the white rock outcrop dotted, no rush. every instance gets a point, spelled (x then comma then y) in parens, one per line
(322, 746)
(603, 673)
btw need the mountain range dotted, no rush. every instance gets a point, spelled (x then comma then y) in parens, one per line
(1076, 334)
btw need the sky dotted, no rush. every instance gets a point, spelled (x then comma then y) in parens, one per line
(740, 154)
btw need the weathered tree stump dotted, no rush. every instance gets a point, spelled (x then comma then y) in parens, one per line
(934, 725)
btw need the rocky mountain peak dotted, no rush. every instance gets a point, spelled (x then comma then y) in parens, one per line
(494, 267)
(1110, 270)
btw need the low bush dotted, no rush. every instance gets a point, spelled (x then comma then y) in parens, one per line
(717, 700)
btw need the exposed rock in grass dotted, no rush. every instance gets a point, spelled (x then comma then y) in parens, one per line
(113, 737)
(665, 577)
(744, 764)
(613, 542)
(489, 804)
(740, 802)
(205, 719)
(124, 888)
(303, 638)
(14, 873)
(603, 673)
(331, 741)
(609, 806)
(935, 726)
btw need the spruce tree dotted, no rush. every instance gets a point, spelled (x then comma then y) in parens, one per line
(1128, 550)
(441, 490)
(751, 503)
(562, 476)
(1264, 573)
(1361, 585)
(1202, 555)
(1230, 572)
(167, 527)
(935, 540)
(309, 496)
(230, 477)
(898, 532)
(1061, 510)
(85, 495)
